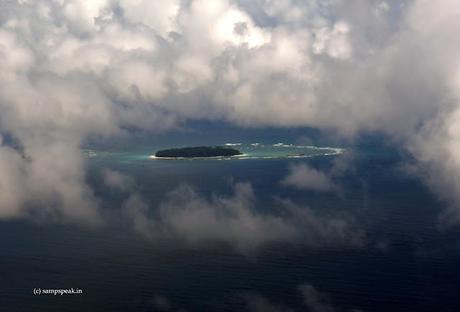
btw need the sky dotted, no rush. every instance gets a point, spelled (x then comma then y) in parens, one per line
(73, 70)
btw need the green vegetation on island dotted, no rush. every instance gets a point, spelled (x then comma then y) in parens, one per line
(198, 151)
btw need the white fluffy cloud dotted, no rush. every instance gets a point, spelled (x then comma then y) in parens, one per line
(73, 69)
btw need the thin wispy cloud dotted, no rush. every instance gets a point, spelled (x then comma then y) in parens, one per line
(189, 218)
(313, 299)
(305, 178)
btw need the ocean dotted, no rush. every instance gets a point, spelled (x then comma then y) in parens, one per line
(408, 261)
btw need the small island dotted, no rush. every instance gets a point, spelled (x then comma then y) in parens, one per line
(198, 151)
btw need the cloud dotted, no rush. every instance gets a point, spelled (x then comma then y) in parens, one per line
(234, 220)
(73, 70)
(313, 301)
(11, 181)
(333, 42)
(117, 180)
(303, 177)
(46, 183)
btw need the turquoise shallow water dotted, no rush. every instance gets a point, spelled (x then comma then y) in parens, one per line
(249, 151)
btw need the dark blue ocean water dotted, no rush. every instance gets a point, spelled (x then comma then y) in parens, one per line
(409, 262)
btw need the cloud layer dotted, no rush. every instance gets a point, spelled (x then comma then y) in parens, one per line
(187, 217)
(73, 69)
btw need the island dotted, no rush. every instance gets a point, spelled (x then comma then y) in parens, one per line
(198, 151)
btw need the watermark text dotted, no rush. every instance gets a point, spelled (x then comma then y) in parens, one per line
(56, 292)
